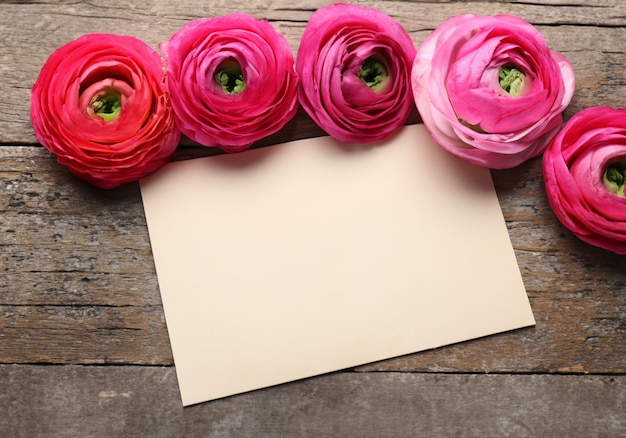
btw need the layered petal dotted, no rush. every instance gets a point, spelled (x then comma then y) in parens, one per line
(232, 80)
(585, 174)
(101, 106)
(354, 64)
(490, 90)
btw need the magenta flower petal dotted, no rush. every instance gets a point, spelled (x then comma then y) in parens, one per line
(354, 65)
(101, 106)
(258, 92)
(585, 173)
(475, 113)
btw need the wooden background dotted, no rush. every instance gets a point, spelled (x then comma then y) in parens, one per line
(84, 349)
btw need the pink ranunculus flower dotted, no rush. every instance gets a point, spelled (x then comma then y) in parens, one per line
(354, 65)
(585, 175)
(232, 80)
(101, 106)
(490, 90)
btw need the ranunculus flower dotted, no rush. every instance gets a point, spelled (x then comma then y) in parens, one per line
(232, 80)
(490, 90)
(354, 65)
(101, 106)
(585, 175)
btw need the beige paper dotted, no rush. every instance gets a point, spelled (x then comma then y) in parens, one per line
(308, 257)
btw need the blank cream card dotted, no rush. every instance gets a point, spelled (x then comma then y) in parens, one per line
(289, 261)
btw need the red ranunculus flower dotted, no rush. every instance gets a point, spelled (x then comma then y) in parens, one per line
(490, 90)
(354, 65)
(232, 80)
(101, 106)
(585, 175)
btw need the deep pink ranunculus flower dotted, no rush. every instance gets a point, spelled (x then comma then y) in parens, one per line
(490, 90)
(585, 174)
(101, 106)
(354, 65)
(232, 80)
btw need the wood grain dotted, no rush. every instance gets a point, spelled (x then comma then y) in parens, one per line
(79, 286)
(591, 36)
(78, 263)
(144, 402)
(81, 256)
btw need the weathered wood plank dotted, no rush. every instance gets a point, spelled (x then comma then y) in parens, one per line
(69, 244)
(83, 334)
(79, 286)
(592, 36)
(65, 243)
(96, 401)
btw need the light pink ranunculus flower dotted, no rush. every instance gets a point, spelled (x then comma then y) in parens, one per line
(354, 65)
(585, 174)
(490, 90)
(232, 79)
(101, 106)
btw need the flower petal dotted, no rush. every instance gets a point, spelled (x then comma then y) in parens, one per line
(574, 164)
(337, 44)
(140, 137)
(204, 111)
(457, 90)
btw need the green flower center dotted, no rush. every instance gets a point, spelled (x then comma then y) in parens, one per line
(107, 105)
(614, 178)
(511, 80)
(229, 77)
(373, 73)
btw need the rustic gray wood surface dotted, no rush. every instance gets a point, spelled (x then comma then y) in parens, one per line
(84, 349)
(130, 401)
